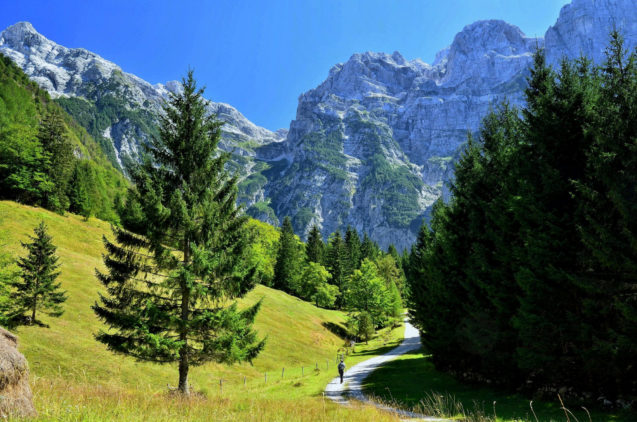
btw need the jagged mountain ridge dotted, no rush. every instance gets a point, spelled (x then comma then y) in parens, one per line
(121, 108)
(410, 120)
(370, 147)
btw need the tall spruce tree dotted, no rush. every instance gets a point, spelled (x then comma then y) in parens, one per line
(609, 231)
(171, 286)
(353, 248)
(60, 159)
(369, 250)
(287, 268)
(79, 199)
(37, 289)
(551, 158)
(315, 248)
(337, 264)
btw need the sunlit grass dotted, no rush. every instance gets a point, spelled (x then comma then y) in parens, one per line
(75, 378)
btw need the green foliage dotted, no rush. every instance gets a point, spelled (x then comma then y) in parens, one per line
(367, 292)
(362, 326)
(289, 259)
(263, 250)
(315, 248)
(369, 249)
(104, 109)
(40, 146)
(60, 160)
(79, 186)
(37, 290)
(171, 286)
(336, 262)
(397, 187)
(314, 286)
(531, 265)
(353, 248)
(325, 295)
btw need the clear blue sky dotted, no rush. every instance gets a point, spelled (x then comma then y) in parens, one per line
(260, 55)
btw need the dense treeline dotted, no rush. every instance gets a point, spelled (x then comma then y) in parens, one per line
(528, 276)
(46, 159)
(346, 273)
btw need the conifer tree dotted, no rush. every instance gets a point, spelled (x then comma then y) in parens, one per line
(287, 268)
(551, 158)
(315, 248)
(79, 199)
(37, 290)
(59, 153)
(337, 264)
(171, 286)
(353, 248)
(391, 250)
(609, 232)
(369, 250)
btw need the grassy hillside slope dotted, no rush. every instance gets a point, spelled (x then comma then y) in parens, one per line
(75, 378)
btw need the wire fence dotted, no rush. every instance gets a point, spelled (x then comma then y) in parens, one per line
(286, 373)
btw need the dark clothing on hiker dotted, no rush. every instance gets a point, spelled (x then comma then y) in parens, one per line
(341, 370)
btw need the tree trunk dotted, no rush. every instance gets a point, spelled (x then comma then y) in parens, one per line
(183, 335)
(35, 304)
(183, 374)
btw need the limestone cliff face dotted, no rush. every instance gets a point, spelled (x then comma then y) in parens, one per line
(372, 146)
(584, 25)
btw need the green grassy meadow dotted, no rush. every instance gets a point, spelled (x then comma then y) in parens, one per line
(412, 379)
(75, 378)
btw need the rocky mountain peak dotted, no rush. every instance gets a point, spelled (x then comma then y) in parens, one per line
(583, 28)
(20, 32)
(489, 36)
(486, 52)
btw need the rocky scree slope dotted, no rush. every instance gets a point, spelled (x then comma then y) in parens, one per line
(119, 109)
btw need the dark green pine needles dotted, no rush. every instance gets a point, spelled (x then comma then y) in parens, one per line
(36, 289)
(176, 267)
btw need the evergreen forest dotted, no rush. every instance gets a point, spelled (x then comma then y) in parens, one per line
(527, 277)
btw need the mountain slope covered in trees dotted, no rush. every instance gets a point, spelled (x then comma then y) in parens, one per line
(46, 158)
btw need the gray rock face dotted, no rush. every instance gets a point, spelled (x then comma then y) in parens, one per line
(584, 25)
(373, 144)
(391, 128)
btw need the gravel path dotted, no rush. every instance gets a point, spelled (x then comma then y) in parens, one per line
(353, 379)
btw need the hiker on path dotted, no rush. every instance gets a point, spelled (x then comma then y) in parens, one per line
(341, 369)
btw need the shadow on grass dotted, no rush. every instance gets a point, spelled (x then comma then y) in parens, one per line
(412, 379)
(336, 329)
(377, 351)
